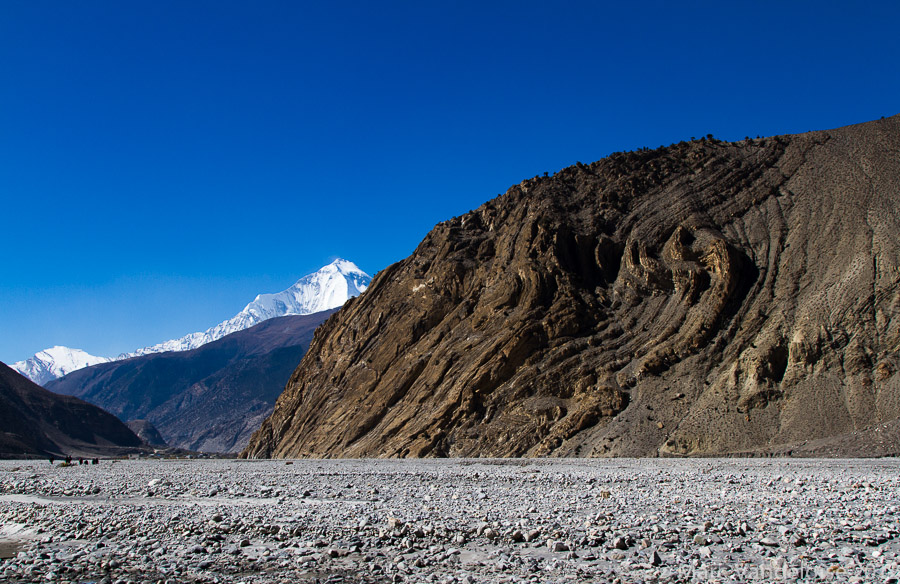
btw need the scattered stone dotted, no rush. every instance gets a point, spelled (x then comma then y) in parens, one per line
(394, 523)
(179, 537)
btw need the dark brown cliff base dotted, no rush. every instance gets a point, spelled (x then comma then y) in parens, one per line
(705, 298)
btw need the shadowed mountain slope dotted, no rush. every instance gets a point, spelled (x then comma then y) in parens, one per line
(703, 298)
(147, 432)
(209, 399)
(36, 422)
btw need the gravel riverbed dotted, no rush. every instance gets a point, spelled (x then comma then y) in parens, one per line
(695, 520)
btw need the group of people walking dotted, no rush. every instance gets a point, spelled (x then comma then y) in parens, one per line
(68, 460)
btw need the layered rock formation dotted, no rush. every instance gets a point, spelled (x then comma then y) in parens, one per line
(36, 422)
(704, 298)
(207, 399)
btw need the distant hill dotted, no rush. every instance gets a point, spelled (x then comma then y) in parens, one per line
(36, 422)
(147, 432)
(207, 399)
(704, 298)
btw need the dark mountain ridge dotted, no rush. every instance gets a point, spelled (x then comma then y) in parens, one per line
(207, 399)
(36, 422)
(704, 298)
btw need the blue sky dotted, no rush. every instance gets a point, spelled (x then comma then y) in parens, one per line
(161, 162)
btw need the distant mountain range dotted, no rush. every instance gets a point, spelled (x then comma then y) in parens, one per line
(36, 422)
(328, 288)
(325, 289)
(55, 362)
(208, 399)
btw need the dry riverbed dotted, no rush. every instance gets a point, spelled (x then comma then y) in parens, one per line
(698, 520)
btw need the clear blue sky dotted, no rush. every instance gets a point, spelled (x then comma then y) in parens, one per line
(162, 162)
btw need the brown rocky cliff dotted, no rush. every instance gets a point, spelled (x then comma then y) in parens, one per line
(708, 297)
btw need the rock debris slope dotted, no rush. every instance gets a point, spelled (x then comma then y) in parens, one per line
(703, 298)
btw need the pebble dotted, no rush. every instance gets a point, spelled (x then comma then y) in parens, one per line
(434, 521)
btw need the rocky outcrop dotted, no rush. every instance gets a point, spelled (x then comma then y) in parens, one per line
(207, 399)
(699, 299)
(147, 432)
(35, 422)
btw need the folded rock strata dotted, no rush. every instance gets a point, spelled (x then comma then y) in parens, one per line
(703, 298)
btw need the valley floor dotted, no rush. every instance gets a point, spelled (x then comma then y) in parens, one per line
(695, 520)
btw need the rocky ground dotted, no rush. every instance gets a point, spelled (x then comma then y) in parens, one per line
(696, 520)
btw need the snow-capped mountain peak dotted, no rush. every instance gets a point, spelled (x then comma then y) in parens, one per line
(327, 288)
(55, 362)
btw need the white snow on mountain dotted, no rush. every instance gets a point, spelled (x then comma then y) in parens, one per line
(55, 362)
(327, 288)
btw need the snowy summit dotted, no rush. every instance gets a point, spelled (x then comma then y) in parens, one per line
(328, 288)
(55, 362)
(325, 289)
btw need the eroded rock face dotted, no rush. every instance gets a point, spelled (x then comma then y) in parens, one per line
(703, 298)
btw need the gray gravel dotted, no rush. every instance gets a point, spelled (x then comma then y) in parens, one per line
(698, 520)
